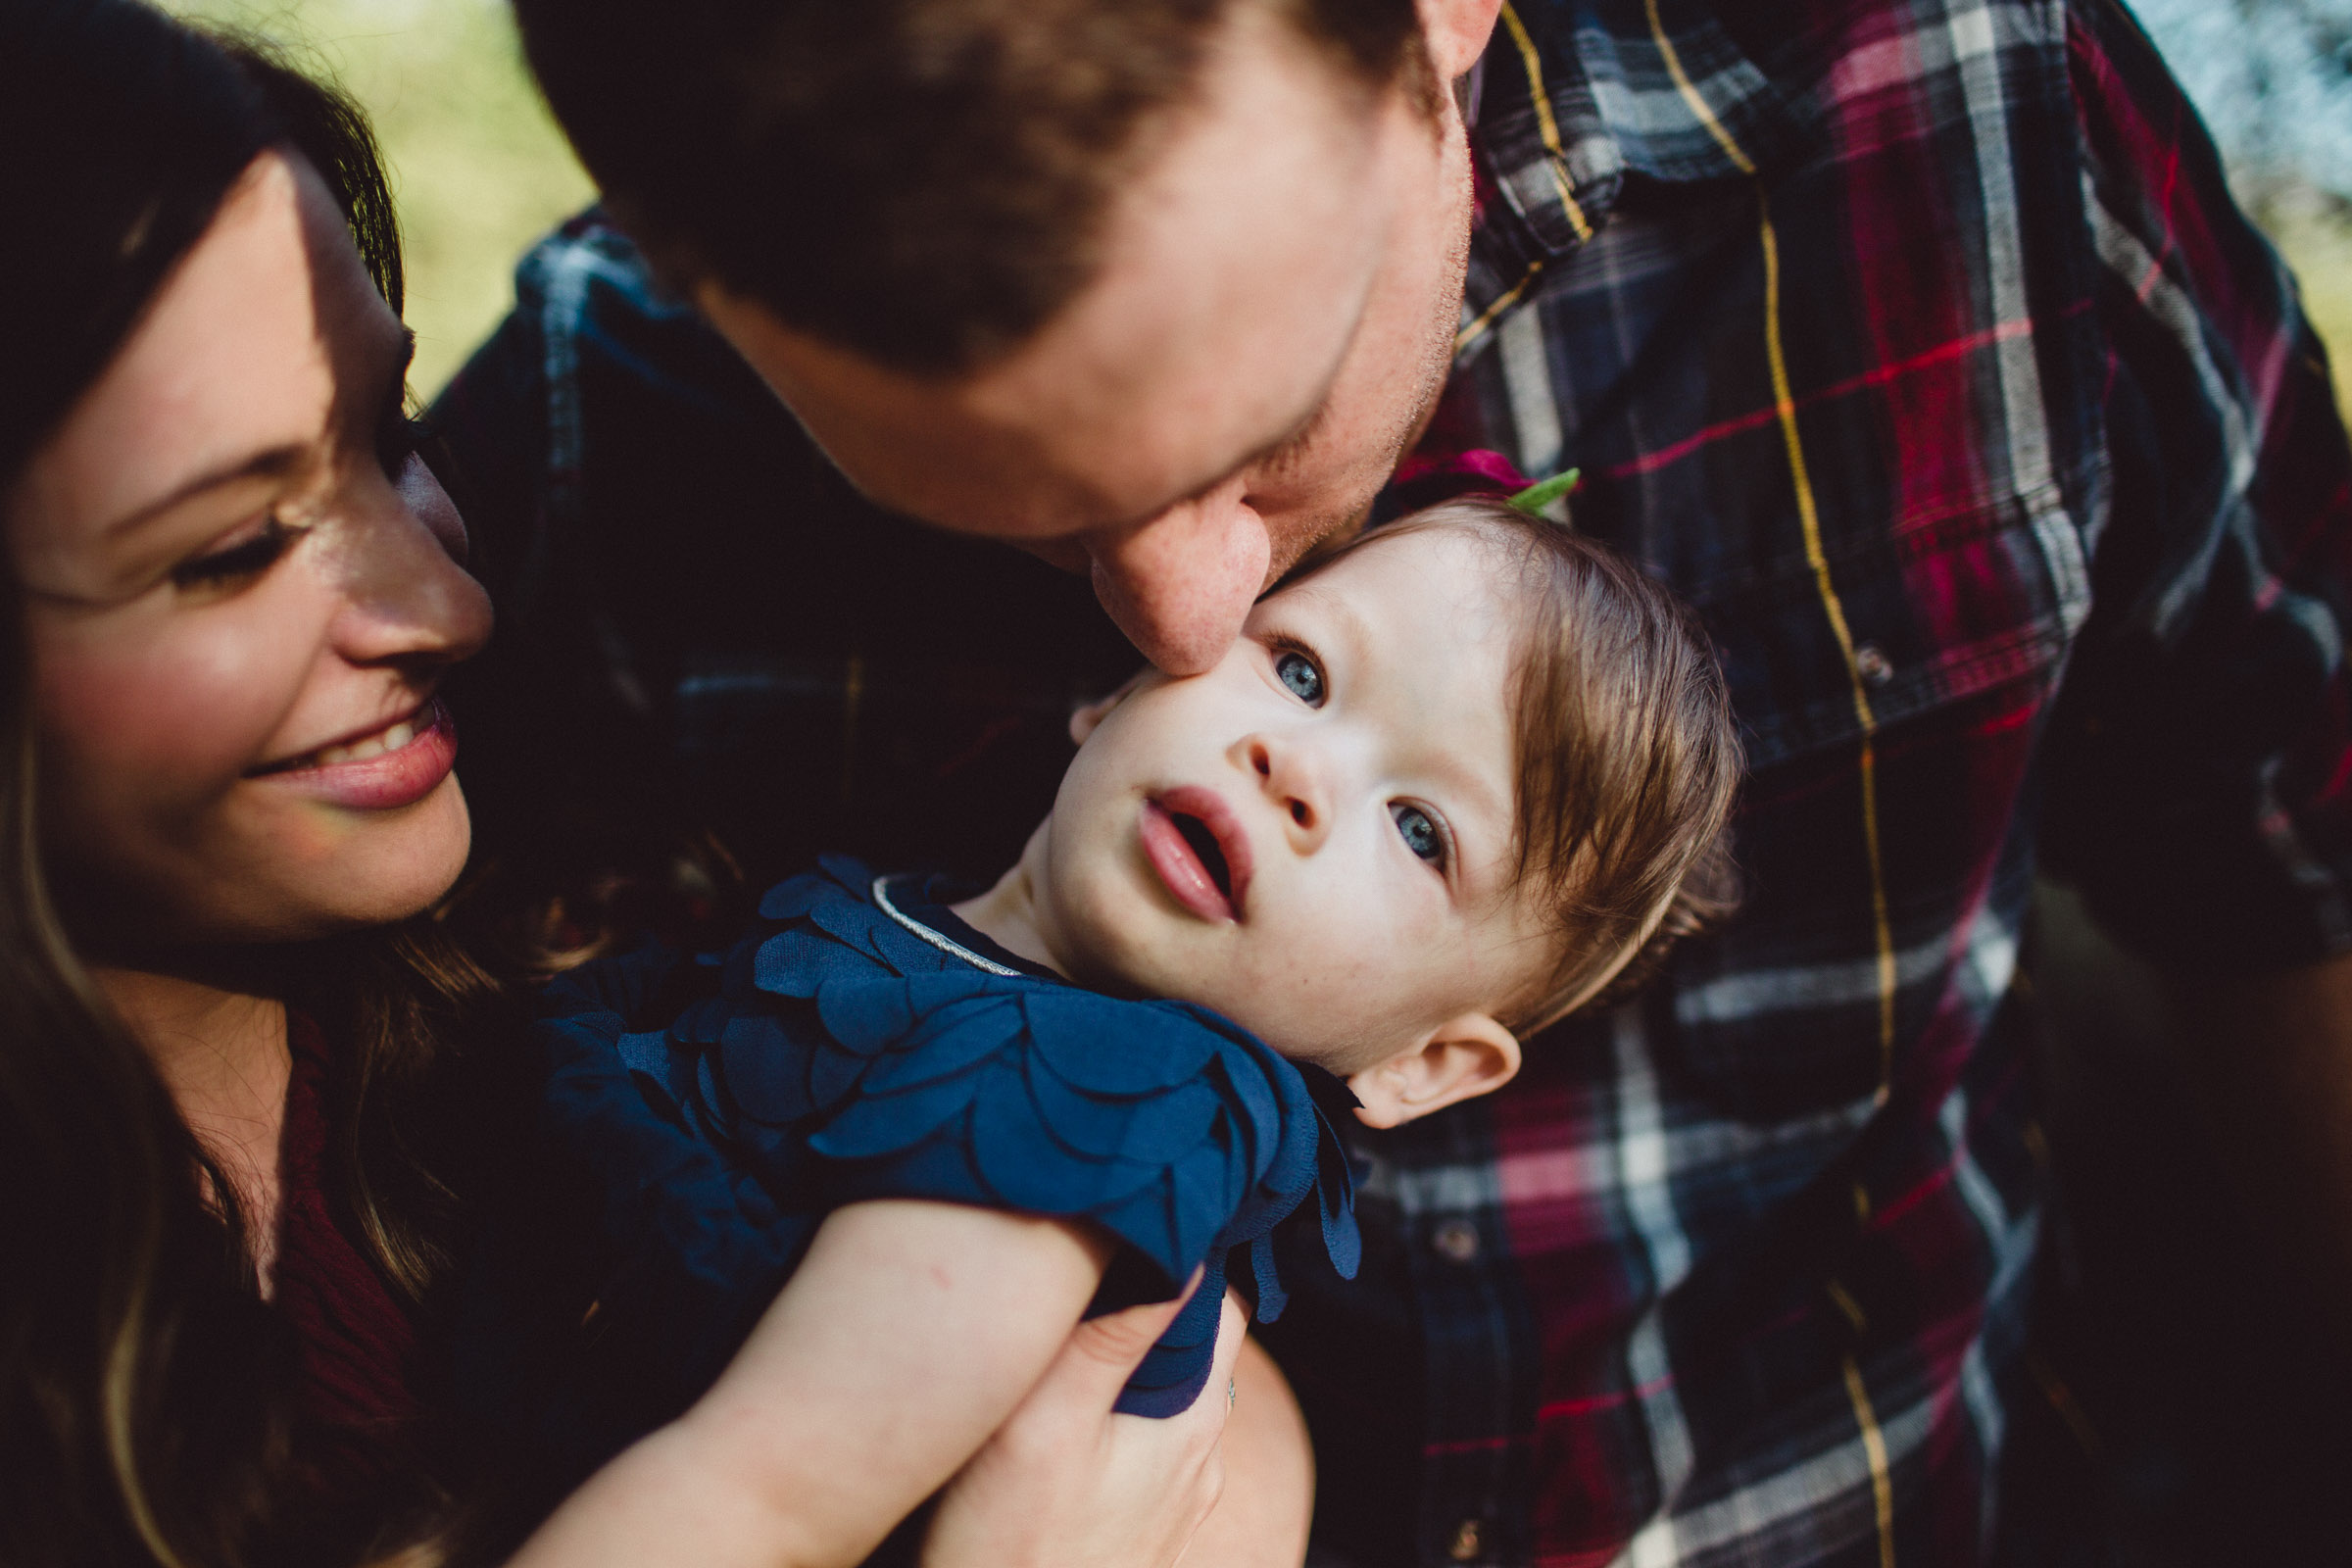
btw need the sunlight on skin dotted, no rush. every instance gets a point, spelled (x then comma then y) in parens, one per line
(479, 166)
(233, 563)
(1272, 323)
(241, 588)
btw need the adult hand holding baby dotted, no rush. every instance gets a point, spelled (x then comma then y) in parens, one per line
(1067, 1481)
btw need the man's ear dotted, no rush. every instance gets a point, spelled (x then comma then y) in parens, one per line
(1086, 715)
(1459, 1060)
(1457, 32)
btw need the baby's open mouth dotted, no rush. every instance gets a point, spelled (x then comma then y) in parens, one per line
(1201, 851)
(1204, 844)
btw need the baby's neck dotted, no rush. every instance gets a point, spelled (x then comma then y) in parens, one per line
(1007, 916)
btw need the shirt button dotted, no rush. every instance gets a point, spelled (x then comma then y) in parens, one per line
(1468, 1540)
(1871, 663)
(1456, 1241)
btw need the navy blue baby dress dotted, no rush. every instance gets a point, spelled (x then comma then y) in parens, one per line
(862, 1042)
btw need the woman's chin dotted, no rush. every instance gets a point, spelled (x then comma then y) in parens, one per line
(405, 868)
(360, 869)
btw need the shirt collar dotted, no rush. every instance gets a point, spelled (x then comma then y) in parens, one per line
(1573, 97)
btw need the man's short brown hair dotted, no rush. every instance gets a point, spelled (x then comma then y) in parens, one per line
(925, 182)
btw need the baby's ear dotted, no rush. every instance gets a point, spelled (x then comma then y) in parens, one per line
(1086, 715)
(1459, 1060)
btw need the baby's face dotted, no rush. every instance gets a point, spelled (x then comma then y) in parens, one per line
(1314, 837)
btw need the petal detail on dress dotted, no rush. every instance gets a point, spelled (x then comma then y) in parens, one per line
(1023, 1168)
(1145, 1219)
(1107, 1047)
(1153, 1129)
(765, 1070)
(833, 1073)
(867, 1013)
(862, 926)
(883, 1124)
(793, 963)
(948, 1040)
(795, 897)
(1206, 1196)
(835, 1055)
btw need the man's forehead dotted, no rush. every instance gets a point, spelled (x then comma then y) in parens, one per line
(1237, 262)
(1234, 268)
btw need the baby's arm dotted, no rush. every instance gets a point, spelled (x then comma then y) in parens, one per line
(902, 1342)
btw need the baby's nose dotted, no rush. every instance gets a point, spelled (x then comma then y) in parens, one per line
(1289, 778)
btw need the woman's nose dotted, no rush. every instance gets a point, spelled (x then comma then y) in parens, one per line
(1293, 775)
(406, 597)
(1181, 584)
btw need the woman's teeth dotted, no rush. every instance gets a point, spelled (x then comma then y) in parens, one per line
(390, 740)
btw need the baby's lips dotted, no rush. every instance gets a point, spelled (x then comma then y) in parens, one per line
(1180, 868)
(1224, 826)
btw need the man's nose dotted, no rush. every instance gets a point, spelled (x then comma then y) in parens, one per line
(1294, 775)
(1181, 584)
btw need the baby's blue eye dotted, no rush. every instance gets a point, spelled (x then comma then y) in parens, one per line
(1299, 672)
(1421, 835)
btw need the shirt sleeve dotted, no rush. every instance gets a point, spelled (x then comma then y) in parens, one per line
(2201, 757)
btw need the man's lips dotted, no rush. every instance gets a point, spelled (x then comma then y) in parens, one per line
(398, 764)
(1199, 847)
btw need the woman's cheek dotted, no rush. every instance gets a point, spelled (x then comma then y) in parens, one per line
(171, 718)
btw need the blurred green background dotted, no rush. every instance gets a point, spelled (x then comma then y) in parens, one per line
(480, 169)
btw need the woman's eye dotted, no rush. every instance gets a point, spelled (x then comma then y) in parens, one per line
(1421, 835)
(245, 559)
(1299, 674)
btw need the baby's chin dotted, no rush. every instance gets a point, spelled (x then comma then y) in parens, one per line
(1123, 945)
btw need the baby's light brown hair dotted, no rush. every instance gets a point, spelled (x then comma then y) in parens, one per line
(1628, 759)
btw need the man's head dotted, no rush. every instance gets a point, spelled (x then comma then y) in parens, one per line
(1448, 785)
(1158, 290)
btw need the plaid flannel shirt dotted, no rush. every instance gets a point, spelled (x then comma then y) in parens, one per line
(1922, 349)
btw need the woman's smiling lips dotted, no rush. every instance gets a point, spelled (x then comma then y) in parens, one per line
(1188, 876)
(396, 766)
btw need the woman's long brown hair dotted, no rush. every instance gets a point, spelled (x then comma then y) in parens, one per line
(146, 1410)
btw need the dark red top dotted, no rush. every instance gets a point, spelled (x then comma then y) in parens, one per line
(358, 1345)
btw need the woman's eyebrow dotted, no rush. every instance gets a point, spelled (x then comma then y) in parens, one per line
(272, 463)
(266, 463)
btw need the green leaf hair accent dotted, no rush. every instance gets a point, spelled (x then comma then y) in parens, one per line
(1543, 491)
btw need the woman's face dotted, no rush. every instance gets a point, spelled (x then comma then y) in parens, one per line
(241, 590)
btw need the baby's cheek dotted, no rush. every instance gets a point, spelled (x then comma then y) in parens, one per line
(1317, 996)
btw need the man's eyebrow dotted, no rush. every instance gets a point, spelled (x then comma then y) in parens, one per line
(1301, 433)
(1297, 433)
(1298, 430)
